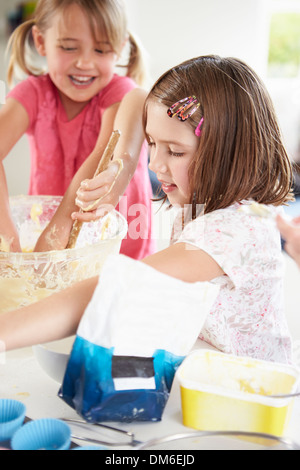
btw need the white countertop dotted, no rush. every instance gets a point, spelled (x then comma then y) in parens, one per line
(22, 378)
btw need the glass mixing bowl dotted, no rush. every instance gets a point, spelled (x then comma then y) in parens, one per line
(28, 277)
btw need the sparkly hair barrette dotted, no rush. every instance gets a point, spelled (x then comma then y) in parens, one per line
(184, 109)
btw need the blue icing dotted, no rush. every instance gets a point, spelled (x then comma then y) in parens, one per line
(88, 386)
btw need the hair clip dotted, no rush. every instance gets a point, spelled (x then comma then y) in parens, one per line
(198, 130)
(180, 110)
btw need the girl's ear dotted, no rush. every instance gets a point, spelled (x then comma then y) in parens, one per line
(39, 41)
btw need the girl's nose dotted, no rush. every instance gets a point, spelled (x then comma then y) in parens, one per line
(85, 61)
(157, 163)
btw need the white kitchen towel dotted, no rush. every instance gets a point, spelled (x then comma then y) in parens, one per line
(137, 329)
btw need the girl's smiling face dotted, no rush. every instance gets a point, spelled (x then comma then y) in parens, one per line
(79, 64)
(173, 145)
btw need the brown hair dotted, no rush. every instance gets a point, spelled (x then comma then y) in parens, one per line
(110, 18)
(240, 154)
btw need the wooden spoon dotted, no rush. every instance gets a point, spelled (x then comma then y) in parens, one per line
(103, 164)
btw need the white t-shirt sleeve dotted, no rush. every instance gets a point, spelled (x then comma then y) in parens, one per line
(238, 242)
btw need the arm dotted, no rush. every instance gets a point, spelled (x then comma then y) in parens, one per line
(129, 122)
(126, 117)
(14, 121)
(290, 231)
(9, 239)
(50, 319)
(185, 262)
(58, 316)
(61, 222)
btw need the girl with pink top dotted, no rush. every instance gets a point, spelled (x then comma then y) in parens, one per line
(72, 105)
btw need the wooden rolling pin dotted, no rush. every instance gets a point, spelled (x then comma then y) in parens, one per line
(103, 164)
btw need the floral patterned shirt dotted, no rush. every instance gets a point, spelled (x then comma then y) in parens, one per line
(247, 318)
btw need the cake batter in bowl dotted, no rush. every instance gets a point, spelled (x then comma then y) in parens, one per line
(30, 276)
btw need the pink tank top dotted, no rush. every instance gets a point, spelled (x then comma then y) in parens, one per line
(58, 147)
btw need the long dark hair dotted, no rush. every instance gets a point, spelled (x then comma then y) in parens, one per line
(241, 154)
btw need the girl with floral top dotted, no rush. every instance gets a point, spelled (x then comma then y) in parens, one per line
(216, 148)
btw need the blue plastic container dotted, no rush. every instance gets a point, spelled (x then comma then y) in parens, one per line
(42, 434)
(12, 415)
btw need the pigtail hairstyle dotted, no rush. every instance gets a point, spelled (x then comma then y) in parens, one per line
(17, 45)
(136, 66)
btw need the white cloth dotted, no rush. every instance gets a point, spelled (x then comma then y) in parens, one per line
(137, 309)
(247, 317)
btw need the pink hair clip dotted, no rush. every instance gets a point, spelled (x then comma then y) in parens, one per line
(198, 130)
(184, 109)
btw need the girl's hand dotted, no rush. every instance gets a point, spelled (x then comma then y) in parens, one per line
(98, 196)
(55, 236)
(290, 231)
(9, 238)
(9, 242)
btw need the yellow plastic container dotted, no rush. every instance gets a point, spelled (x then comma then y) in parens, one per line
(222, 392)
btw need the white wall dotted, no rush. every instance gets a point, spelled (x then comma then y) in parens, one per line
(176, 30)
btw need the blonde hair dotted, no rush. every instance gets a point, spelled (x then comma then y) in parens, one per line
(110, 18)
(241, 154)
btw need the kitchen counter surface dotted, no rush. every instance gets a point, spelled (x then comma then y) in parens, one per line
(22, 378)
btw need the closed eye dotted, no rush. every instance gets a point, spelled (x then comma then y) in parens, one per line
(68, 49)
(105, 49)
(175, 154)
